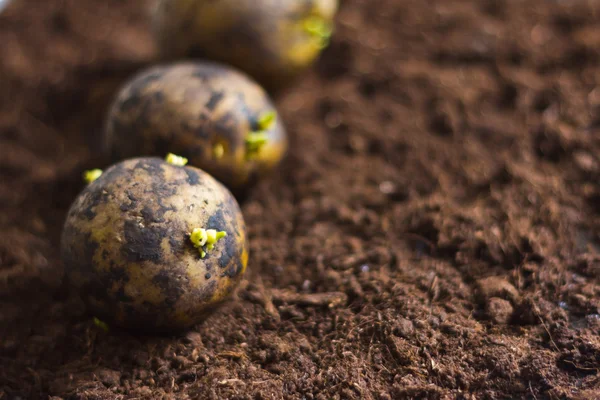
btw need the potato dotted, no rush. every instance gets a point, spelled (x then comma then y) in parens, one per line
(153, 246)
(272, 40)
(219, 119)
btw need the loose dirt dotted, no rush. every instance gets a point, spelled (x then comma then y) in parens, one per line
(434, 232)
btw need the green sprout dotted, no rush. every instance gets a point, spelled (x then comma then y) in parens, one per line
(218, 151)
(257, 139)
(91, 175)
(205, 239)
(266, 120)
(318, 28)
(176, 160)
(101, 324)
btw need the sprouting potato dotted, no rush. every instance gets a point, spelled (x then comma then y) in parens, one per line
(272, 40)
(153, 246)
(213, 115)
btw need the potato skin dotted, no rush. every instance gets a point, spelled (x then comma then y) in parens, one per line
(125, 245)
(187, 109)
(265, 38)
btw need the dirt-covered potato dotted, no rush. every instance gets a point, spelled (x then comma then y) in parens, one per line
(218, 118)
(272, 40)
(153, 246)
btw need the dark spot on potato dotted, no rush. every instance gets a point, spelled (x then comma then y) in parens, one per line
(208, 290)
(142, 243)
(159, 97)
(95, 198)
(89, 248)
(202, 131)
(217, 220)
(152, 166)
(207, 276)
(118, 274)
(192, 177)
(89, 213)
(170, 287)
(176, 245)
(215, 99)
(150, 216)
(185, 126)
(228, 252)
(238, 267)
(131, 196)
(131, 102)
(163, 190)
(231, 272)
(163, 208)
(203, 117)
(132, 203)
(202, 75)
(245, 110)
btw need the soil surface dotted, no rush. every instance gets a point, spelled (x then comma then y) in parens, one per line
(434, 232)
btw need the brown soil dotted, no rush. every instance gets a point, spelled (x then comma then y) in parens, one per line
(435, 232)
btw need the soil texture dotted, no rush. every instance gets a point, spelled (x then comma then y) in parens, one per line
(434, 232)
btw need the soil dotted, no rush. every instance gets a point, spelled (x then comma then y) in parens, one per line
(434, 232)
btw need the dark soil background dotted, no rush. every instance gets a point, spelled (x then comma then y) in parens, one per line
(434, 233)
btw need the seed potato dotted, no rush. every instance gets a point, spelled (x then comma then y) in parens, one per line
(272, 40)
(218, 118)
(153, 246)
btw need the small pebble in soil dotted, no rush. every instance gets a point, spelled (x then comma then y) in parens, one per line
(499, 310)
(593, 319)
(387, 187)
(306, 285)
(563, 305)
